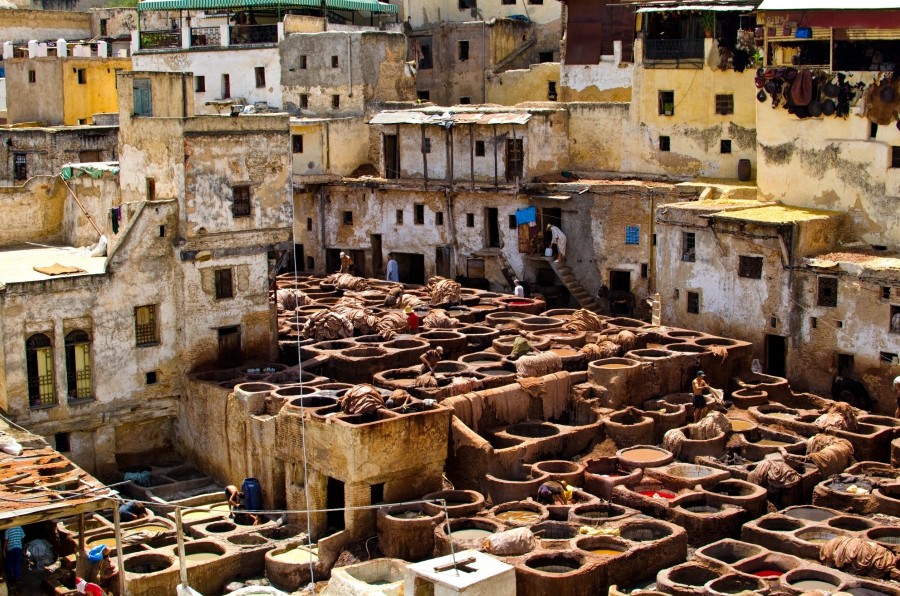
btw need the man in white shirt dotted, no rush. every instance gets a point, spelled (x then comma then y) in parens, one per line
(518, 290)
(559, 239)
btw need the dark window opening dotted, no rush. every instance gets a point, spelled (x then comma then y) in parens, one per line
(545, 57)
(335, 101)
(470, 220)
(889, 357)
(423, 95)
(419, 214)
(515, 159)
(103, 26)
(725, 146)
(334, 502)
(492, 217)
(304, 101)
(688, 247)
(303, 62)
(895, 319)
(463, 52)
(162, 231)
(260, 72)
(150, 377)
(551, 91)
(226, 86)
(335, 62)
(391, 157)
(297, 143)
(308, 224)
(82, 76)
(439, 218)
(230, 346)
(873, 130)
(645, 270)
(224, 285)
(693, 303)
(399, 217)
(240, 206)
(151, 189)
(32, 76)
(62, 442)
(465, 100)
(200, 84)
(750, 267)
(725, 104)
(310, 263)
(347, 218)
(479, 148)
(665, 143)
(427, 145)
(512, 222)
(886, 293)
(773, 322)
(376, 493)
(20, 166)
(813, 322)
(424, 53)
(895, 157)
(827, 291)
(667, 103)
(840, 324)
(467, 4)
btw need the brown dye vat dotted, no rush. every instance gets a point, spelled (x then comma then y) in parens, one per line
(739, 426)
(643, 454)
(614, 365)
(521, 517)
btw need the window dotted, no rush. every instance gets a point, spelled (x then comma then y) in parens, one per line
(39, 368)
(78, 366)
(773, 322)
(465, 100)
(199, 84)
(515, 159)
(240, 205)
(438, 218)
(688, 245)
(260, 72)
(309, 224)
(827, 291)
(103, 26)
(151, 189)
(20, 166)
(813, 322)
(224, 285)
(143, 104)
(470, 220)
(545, 57)
(423, 95)
(419, 214)
(310, 263)
(463, 50)
(645, 270)
(889, 357)
(873, 130)
(535, 1)
(725, 146)
(895, 157)
(693, 303)
(632, 234)
(895, 318)
(145, 329)
(424, 53)
(427, 147)
(512, 225)
(335, 101)
(335, 62)
(150, 377)
(840, 324)
(399, 217)
(551, 91)
(347, 218)
(725, 104)
(467, 4)
(32, 76)
(82, 76)
(297, 143)
(303, 62)
(61, 440)
(508, 2)
(886, 293)
(665, 143)
(479, 148)
(304, 101)
(667, 103)
(162, 231)
(226, 86)
(750, 267)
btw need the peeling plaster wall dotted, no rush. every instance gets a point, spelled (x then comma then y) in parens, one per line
(103, 306)
(22, 25)
(515, 86)
(832, 163)
(37, 208)
(371, 67)
(345, 157)
(599, 138)
(695, 129)
(609, 81)
(95, 196)
(238, 64)
(47, 150)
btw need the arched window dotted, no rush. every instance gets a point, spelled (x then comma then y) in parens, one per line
(79, 384)
(39, 365)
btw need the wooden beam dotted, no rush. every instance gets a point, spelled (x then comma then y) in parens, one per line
(120, 557)
(182, 563)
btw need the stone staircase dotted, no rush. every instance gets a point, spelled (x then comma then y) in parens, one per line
(575, 288)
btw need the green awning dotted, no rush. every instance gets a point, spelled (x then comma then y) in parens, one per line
(367, 5)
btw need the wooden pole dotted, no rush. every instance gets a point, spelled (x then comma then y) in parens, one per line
(119, 556)
(79, 559)
(182, 563)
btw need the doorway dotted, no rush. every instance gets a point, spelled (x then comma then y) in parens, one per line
(493, 227)
(620, 281)
(391, 157)
(230, 346)
(412, 267)
(299, 257)
(621, 300)
(358, 268)
(442, 261)
(776, 355)
(334, 500)
(377, 257)
(844, 365)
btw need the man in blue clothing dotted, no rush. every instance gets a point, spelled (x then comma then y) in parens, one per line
(393, 269)
(14, 537)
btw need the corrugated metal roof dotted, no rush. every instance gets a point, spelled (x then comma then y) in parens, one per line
(706, 7)
(828, 5)
(367, 5)
(452, 119)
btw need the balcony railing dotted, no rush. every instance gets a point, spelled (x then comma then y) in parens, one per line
(681, 52)
(154, 40)
(253, 34)
(206, 36)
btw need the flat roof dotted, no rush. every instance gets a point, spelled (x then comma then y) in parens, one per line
(776, 214)
(17, 263)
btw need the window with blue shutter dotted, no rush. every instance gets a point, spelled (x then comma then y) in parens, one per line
(632, 234)
(143, 105)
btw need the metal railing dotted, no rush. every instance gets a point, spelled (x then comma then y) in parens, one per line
(206, 36)
(151, 40)
(253, 34)
(683, 52)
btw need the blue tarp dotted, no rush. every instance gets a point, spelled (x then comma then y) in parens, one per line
(526, 215)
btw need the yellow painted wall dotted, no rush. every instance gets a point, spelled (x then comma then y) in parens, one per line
(97, 95)
(515, 86)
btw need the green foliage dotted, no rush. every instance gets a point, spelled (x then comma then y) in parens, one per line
(122, 4)
(708, 20)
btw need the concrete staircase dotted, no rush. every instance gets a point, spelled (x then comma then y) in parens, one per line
(575, 288)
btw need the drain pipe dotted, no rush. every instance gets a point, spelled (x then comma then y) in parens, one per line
(322, 228)
(349, 66)
(450, 220)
